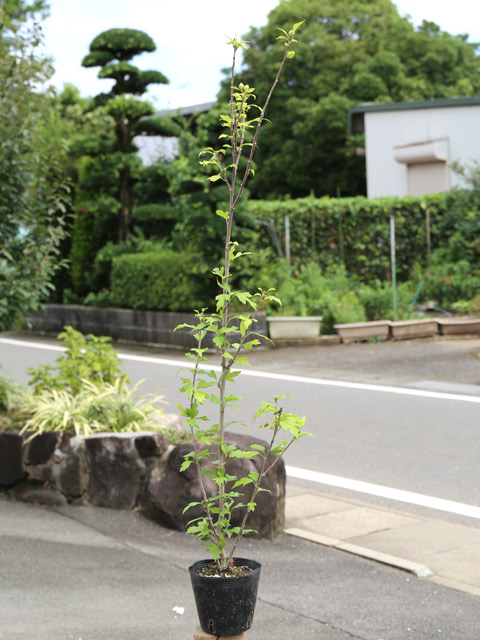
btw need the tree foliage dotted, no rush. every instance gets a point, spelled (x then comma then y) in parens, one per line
(351, 52)
(114, 165)
(33, 194)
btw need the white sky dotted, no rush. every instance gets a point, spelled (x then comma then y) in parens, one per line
(191, 38)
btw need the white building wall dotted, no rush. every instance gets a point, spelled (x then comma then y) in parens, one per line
(385, 130)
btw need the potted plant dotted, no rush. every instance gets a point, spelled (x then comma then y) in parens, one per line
(225, 586)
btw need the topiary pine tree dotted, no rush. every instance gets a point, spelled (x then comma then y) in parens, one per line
(113, 50)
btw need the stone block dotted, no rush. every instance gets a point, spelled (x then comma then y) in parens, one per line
(150, 445)
(43, 497)
(170, 490)
(40, 449)
(69, 475)
(200, 634)
(11, 459)
(115, 471)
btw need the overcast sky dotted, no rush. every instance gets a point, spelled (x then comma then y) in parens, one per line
(190, 36)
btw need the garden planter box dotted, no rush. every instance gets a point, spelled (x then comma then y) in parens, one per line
(363, 330)
(294, 327)
(423, 328)
(458, 326)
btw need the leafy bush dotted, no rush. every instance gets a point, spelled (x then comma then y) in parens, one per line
(102, 264)
(467, 306)
(448, 282)
(87, 359)
(11, 396)
(355, 231)
(377, 300)
(166, 281)
(308, 291)
(88, 393)
(96, 408)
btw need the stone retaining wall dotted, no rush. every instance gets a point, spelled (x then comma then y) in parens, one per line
(129, 471)
(124, 325)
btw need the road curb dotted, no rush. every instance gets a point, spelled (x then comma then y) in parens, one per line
(419, 570)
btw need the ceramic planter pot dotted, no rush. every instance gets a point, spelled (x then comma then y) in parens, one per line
(225, 606)
(293, 327)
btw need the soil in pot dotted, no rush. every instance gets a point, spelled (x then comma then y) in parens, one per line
(225, 605)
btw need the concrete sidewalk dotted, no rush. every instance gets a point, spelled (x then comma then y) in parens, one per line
(443, 552)
(82, 573)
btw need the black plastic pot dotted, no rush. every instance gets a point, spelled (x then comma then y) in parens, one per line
(225, 606)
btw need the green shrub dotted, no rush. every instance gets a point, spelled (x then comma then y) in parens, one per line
(102, 264)
(377, 299)
(11, 397)
(104, 408)
(467, 306)
(89, 358)
(342, 308)
(166, 281)
(448, 282)
(308, 291)
(355, 232)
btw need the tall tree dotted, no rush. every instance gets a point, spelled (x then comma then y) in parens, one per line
(33, 197)
(350, 52)
(113, 51)
(16, 12)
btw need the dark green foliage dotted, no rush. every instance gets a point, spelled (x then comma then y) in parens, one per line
(447, 282)
(100, 270)
(355, 232)
(195, 198)
(157, 126)
(167, 281)
(349, 53)
(377, 298)
(153, 213)
(34, 194)
(87, 240)
(97, 58)
(123, 44)
(113, 50)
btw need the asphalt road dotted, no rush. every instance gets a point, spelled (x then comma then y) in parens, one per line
(102, 574)
(425, 443)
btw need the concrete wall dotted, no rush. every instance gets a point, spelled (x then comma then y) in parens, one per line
(386, 130)
(122, 325)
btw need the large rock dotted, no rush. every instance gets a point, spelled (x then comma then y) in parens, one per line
(116, 472)
(11, 459)
(70, 473)
(269, 515)
(169, 490)
(39, 449)
(150, 445)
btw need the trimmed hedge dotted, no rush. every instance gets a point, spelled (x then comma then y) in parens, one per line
(166, 281)
(356, 231)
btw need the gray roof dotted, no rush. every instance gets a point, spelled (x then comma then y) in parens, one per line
(356, 113)
(188, 111)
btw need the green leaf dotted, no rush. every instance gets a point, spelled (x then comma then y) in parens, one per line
(222, 214)
(297, 25)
